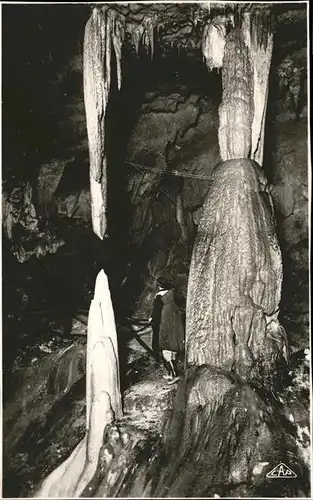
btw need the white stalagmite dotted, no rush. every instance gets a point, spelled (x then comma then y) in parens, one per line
(101, 313)
(261, 61)
(103, 399)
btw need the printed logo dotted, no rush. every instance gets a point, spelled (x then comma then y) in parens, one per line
(281, 471)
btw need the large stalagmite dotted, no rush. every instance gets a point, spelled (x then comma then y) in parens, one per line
(103, 398)
(236, 271)
(235, 276)
(102, 337)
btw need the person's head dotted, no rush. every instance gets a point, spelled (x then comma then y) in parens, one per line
(163, 283)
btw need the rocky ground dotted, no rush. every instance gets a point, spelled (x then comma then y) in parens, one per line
(44, 416)
(44, 413)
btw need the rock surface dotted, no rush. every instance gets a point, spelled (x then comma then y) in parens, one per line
(41, 437)
(289, 177)
(195, 154)
(235, 275)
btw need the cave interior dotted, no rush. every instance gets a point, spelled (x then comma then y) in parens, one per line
(161, 146)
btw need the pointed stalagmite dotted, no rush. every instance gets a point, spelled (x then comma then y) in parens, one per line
(103, 399)
(102, 335)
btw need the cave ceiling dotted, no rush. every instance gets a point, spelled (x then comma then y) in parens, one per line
(181, 25)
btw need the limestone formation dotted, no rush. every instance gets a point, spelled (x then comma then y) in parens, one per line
(236, 270)
(235, 276)
(236, 110)
(103, 398)
(261, 56)
(213, 42)
(102, 31)
(101, 345)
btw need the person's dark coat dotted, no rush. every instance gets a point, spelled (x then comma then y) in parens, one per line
(171, 331)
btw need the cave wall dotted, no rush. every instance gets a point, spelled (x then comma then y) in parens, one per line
(290, 194)
(196, 153)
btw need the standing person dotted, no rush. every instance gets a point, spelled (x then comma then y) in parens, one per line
(168, 329)
(156, 319)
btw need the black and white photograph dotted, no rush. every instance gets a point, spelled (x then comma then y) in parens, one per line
(156, 237)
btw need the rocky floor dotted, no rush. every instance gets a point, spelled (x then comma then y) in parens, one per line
(44, 416)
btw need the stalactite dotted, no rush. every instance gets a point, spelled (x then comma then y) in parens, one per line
(260, 44)
(213, 39)
(150, 34)
(180, 217)
(108, 26)
(236, 110)
(136, 34)
(118, 35)
(213, 44)
(96, 92)
(103, 29)
(143, 33)
(261, 26)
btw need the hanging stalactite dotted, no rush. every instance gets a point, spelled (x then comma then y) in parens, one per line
(258, 35)
(213, 44)
(104, 29)
(95, 90)
(148, 38)
(236, 110)
(136, 32)
(213, 40)
(143, 33)
(118, 35)
(96, 93)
